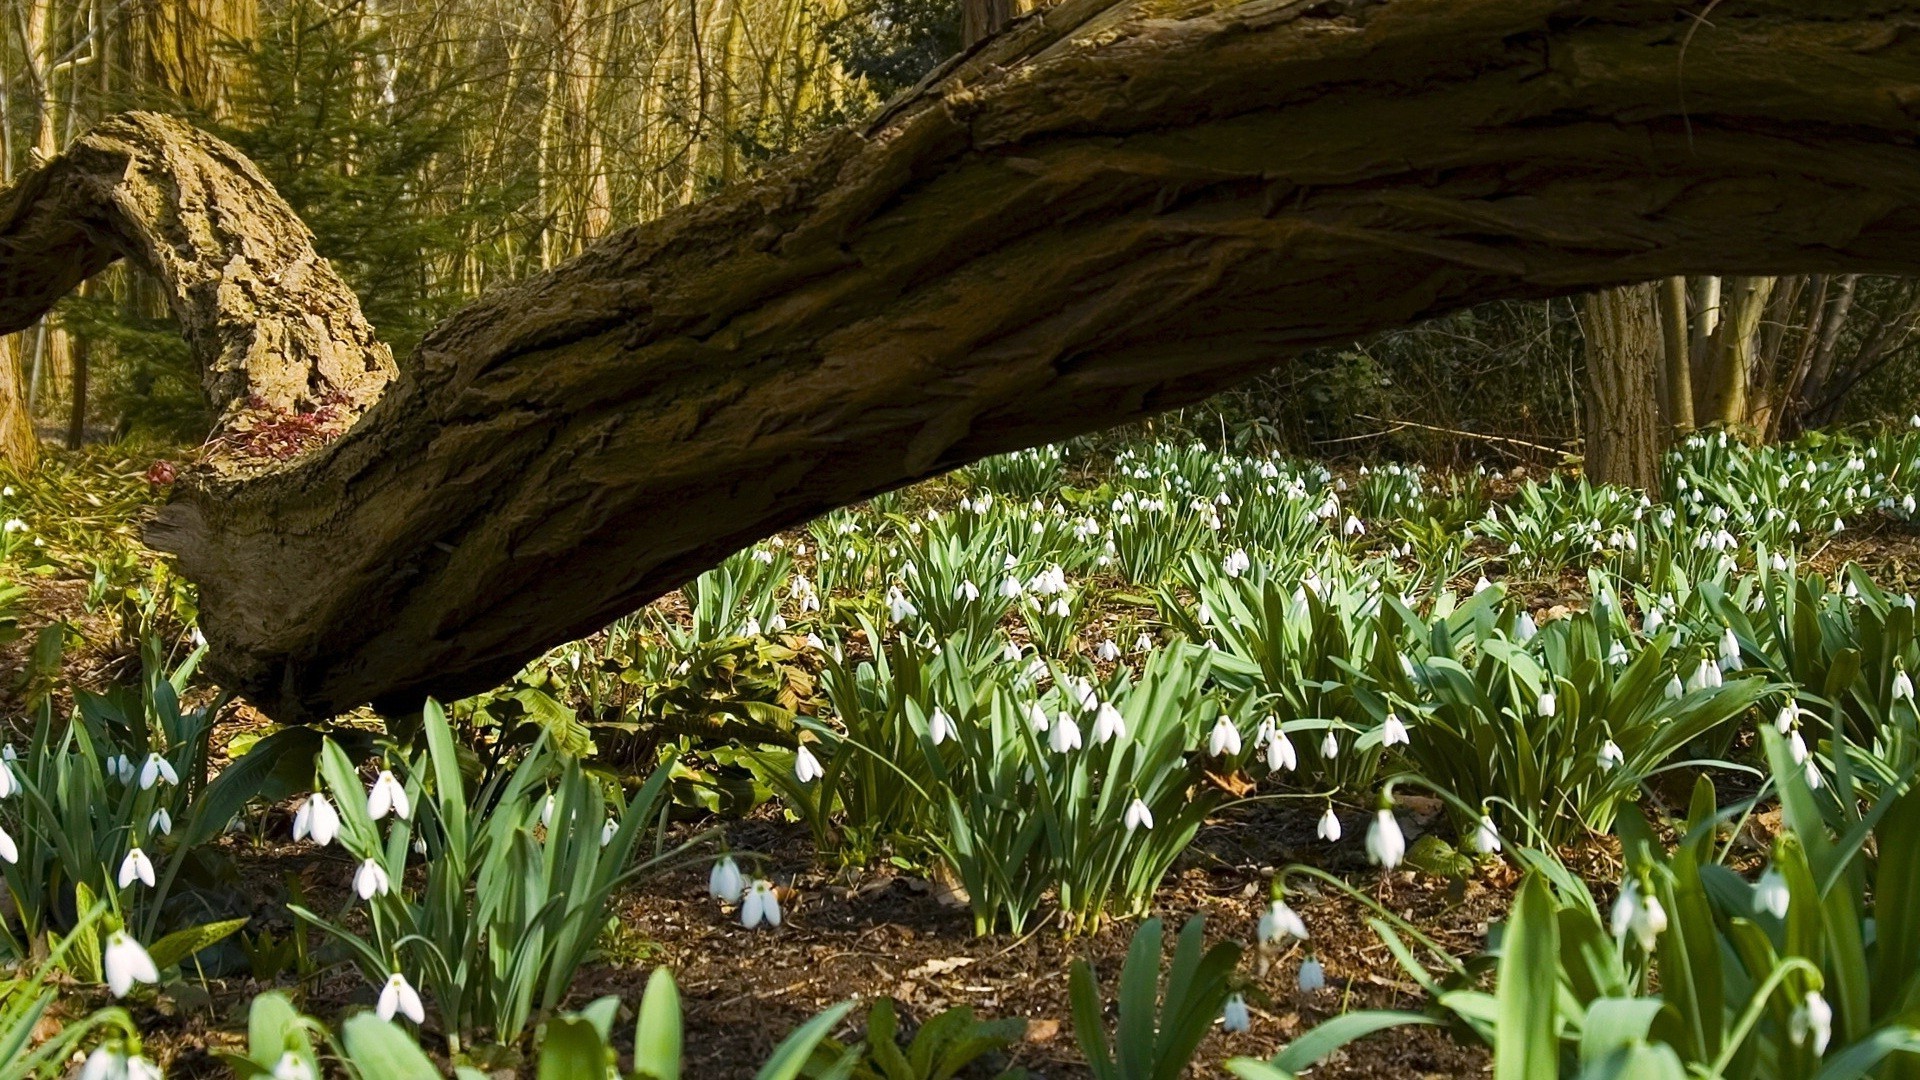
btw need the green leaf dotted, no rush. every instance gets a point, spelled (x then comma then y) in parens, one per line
(1308, 1050)
(381, 1051)
(657, 1033)
(176, 947)
(573, 1050)
(1526, 1045)
(792, 1053)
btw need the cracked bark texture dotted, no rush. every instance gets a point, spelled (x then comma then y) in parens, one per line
(1113, 207)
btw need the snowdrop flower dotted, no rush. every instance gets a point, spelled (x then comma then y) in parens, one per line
(1108, 725)
(104, 1064)
(1729, 650)
(1797, 748)
(1352, 527)
(1064, 735)
(1036, 716)
(1548, 703)
(725, 881)
(371, 880)
(14, 525)
(760, 905)
(940, 726)
(126, 963)
(1205, 615)
(1524, 628)
(1788, 718)
(608, 830)
(1770, 894)
(157, 770)
(751, 628)
(317, 819)
(1328, 828)
(1813, 1020)
(1675, 691)
(1237, 563)
(1482, 585)
(136, 867)
(161, 822)
(1278, 923)
(1312, 976)
(1143, 643)
(1610, 756)
(814, 642)
(120, 767)
(1138, 816)
(1617, 655)
(292, 1066)
(1235, 1018)
(1224, 740)
(1485, 838)
(399, 996)
(1280, 753)
(967, 591)
(1330, 746)
(1653, 622)
(899, 608)
(387, 795)
(1638, 913)
(1902, 686)
(1386, 844)
(806, 767)
(1106, 651)
(1010, 587)
(1393, 732)
(1812, 774)
(1705, 677)
(9, 783)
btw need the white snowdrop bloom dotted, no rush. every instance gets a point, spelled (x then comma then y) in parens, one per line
(1617, 655)
(292, 1066)
(1108, 725)
(1675, 690)
(750, 628)
(1236, 563)
(1312, 977)
(814, 642)
(1280, 753)
(1106, 652)
(608, 830)
(967, 591)
(136, 867)
(318, 820)
(1060, 608)
(1787, 718)
(1352, 526)
(1138, 816)
(1513, 548)
(1234, 1018)
(760, 905)
(1654, 620)
(1278, 923)
(160, 822)
(1036, 717)
(1638, 914)
(9, 783)
(1485, 838)
(1393, 732)
(1729, 650)
(1610, 756)
(1386, 844)
(14, 525)
(806, 767)
(9, 851)
(1143, 643)
(1797, 748)
(124, 963)
(1813, 1021)
(1328, 827)
(1330, 746)
(388, 795)
(1902, 686)
(139, 1068)
(1812, 773)
(1548, 703)
(940, 726)
(399, 997)
(725, 882)
(1482, 585)
(1779, 563)
(899, 608)
(1524, 628)
(157, 770)
(1224, 739)
(1064, 735)
(1205, 615)
(104, 1064)
(371, 880)
(1705, 676)
(1770, 894)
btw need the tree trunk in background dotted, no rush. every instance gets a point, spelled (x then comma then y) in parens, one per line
(1624, 351)
(1113, 208)
(981, 19)
(18, 445)
(1677, 367)
(180, 43)
(77, 414)
(1731, 355)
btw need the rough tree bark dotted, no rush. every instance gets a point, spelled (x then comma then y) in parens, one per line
(1625, 437)
(1113, 207)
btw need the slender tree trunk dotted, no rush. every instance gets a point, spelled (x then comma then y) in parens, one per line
(18, 446)
(1624, 351)
(77, 417)
(1730, 391)
(1111, 209)
(1677, 383)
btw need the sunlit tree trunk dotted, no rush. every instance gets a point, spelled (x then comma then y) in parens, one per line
(1676, 384)
(18, 446)
(1732, 353)
(1624, 351)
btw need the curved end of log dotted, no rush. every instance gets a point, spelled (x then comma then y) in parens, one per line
(289, 361)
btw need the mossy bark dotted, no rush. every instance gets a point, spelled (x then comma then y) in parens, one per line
(1113, 207)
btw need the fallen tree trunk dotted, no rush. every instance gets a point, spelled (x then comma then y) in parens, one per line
(1114, 207)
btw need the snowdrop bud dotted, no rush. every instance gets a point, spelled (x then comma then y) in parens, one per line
(1138, 816)
(1787, 718)
(1770, 894)
(1729, 650)
(371, 880)
(725, 881)
(1280, 753)
(1548, 703)
(1328, 828)
(1610, 756)
(1386, 844)
(1330, 746)
(318, 820)
(1064, 735)
(1653, 622)
(136, 867)
(1797, 748)
(1812, 774)
(124, 962)
(1224, 740)
(1108, 725)
(386, 796)
(1524, 628)
(1813, 1020)
(399, 996)
(1278, 923)
(157, 770)
(806, 767)
(1312, 977)
(940, 726)
(1393, 732)
(1235, 1018)
(1036, 716)
(1485, 838)
(608, 830)
(760, 905)
(9, 851)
